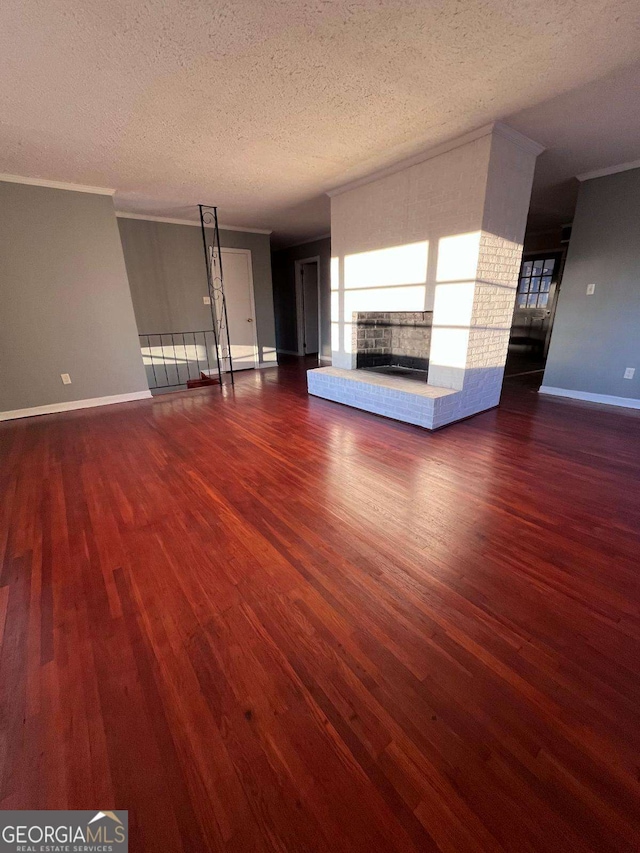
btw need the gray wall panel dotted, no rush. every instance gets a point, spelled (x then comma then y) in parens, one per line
(65, 305)
(596, 337)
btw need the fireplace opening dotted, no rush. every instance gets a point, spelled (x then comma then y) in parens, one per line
(393, 342)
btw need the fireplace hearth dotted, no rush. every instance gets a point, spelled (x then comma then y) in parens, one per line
(392, 340)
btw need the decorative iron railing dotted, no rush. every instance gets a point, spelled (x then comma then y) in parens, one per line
(215, 283)
(171, 359)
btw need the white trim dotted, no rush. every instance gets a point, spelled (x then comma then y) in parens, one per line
(608, 170)
(519, 139)
(588, 397)
(87, 403)
(223, 227)
(56, 185)
(495, 127)
(411, 161)
(299, 301)
(121, 214)
(263, 364)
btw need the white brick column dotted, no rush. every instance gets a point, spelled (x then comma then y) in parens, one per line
(444, 234)
(481, 312)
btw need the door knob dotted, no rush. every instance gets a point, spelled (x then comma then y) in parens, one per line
(249, 319)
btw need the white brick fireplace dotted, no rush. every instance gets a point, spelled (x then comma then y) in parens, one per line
(442, 233)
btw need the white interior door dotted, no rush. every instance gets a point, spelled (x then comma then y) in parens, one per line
(238, 290)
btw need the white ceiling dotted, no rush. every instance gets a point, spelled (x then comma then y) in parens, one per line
(260, 107)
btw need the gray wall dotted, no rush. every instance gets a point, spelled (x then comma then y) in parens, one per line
(596, 337)
(284, 294)
(167, 276)
(65, 305)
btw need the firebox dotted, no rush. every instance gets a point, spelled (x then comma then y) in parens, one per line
(392, 339)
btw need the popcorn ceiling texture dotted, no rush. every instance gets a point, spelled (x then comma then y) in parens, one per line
(260, 107)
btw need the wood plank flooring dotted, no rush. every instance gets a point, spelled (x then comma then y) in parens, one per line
(265, 622)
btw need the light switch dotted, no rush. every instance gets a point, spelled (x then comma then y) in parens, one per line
(66, 379)
(591, 289)
(206, 300)
(629, 373)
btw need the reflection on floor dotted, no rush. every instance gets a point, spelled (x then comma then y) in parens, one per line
(261, 621)
(522, 360)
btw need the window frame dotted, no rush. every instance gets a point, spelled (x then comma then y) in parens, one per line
(539, 290)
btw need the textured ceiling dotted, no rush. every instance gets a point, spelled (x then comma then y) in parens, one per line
(594, 126)
(260, 107)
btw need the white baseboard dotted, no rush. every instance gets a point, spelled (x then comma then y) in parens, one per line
(264, 364)
(325, 359)
(588, 397)
(74, 404)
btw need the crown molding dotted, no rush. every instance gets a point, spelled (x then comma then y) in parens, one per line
(121, 214)
(608, 170)
(56, 185)
(224, 227)
(422, 157)
(494, 127)
(519, 139)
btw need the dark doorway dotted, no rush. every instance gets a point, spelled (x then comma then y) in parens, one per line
(533, 315)
(308, 305)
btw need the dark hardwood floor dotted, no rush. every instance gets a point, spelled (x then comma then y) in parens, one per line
(263, 621)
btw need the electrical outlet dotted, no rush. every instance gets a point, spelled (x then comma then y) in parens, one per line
(66, 379)
(629, 373)
(591, 289)
(206, 300)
